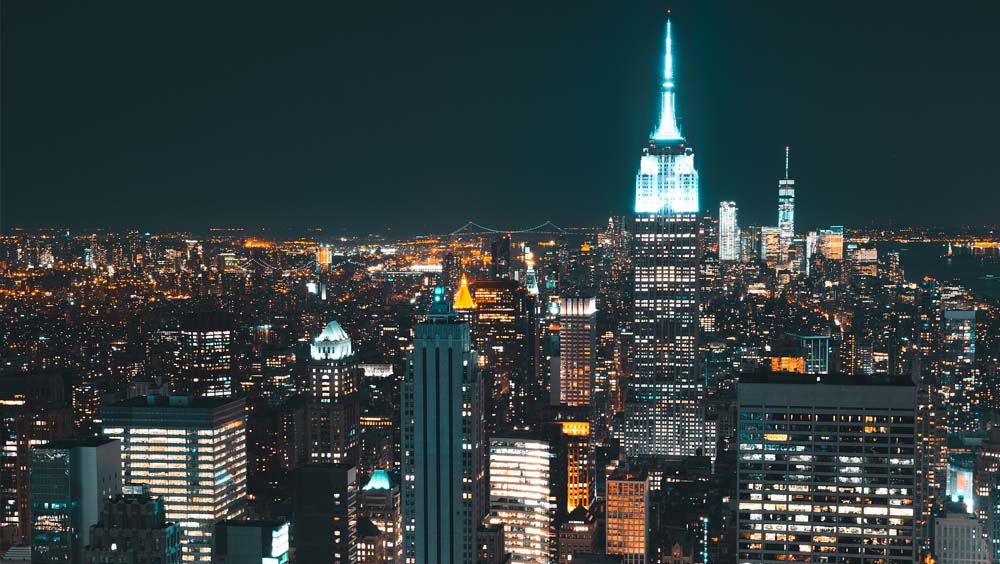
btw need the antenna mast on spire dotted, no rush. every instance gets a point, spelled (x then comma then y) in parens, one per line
(786, 161)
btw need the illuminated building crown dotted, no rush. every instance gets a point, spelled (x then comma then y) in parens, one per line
(332, 344)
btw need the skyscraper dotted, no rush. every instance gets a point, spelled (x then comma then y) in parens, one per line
(523, 494)
(503, 333)
(192, 452)
(627, 516)
(770, 246)
(729, 232)
(205, 359)
(380, 505)
(325, 502)
(830, 242)
(958, 382)
(133, 528)
(334, 411)
(577, 343)
(826, 466)
(664, 411)
(443, 441)
(786, 212)
(69, 480)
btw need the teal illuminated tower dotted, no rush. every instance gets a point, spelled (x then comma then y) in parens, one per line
(443, 441)
(664, 413)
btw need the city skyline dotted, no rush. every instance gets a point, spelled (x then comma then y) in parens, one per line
(662, 384)
(273, 125)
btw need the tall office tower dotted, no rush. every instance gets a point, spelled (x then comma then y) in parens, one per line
(334, 410)
(577, 448)
(500, 263)
(627, 517)
(324, 257)
(960, 538)
(69, 480)
(530, 278)
(524, 494)
(664, 409)
(830, 242)
(729, 232)
(577, 350)
(932, 455)
(132, 527)
(205, 363)
(451, 271)
(770, 246)
(242, 542)
(863, 259)
(986, 485)
(33, 411)
(826, 466)
(380, 505)
(958, 384)
(786, 212)
(443, 441)
(192, 452)
(503, 333)
(325, 505)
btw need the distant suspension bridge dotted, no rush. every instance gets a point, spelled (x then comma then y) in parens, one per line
(472, 229)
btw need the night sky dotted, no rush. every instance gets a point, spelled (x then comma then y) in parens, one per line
(363, 116)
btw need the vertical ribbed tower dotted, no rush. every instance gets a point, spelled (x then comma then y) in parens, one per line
(443, 441)
(664, 413)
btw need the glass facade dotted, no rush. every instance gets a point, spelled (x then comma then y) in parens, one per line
(521, 497)
(192, 453)
(826, 471)
(729, 232)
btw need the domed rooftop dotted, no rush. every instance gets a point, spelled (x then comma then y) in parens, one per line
(379, 481)
(332, 344)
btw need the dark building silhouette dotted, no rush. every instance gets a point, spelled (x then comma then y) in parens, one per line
(325, 513)
(133, 529)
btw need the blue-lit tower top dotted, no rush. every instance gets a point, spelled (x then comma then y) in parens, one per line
(667, 181)
(667, 130)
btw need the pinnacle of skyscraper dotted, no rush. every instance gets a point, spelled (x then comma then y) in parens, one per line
(786, 161)
(463, 298)
(667, 130)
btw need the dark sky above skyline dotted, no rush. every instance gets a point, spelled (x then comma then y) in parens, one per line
(364, 116)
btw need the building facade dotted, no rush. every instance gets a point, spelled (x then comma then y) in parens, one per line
(523, 496)
(133, 529)
(826, 466)
(577, 350)
(325, 505)
(192, 452)
(243, 542)
(627, 517)
(443, 442)
(69, 480)
(729, 232)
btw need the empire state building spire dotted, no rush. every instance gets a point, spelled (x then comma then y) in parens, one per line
(667, 130)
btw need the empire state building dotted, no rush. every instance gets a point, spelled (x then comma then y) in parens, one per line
(664, 408)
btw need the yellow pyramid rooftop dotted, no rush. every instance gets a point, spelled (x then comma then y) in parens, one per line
(463, 298)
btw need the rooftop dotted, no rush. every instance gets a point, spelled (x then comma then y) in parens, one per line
(826, 379)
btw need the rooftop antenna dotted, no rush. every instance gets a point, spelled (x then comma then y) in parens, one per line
(786, 161)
